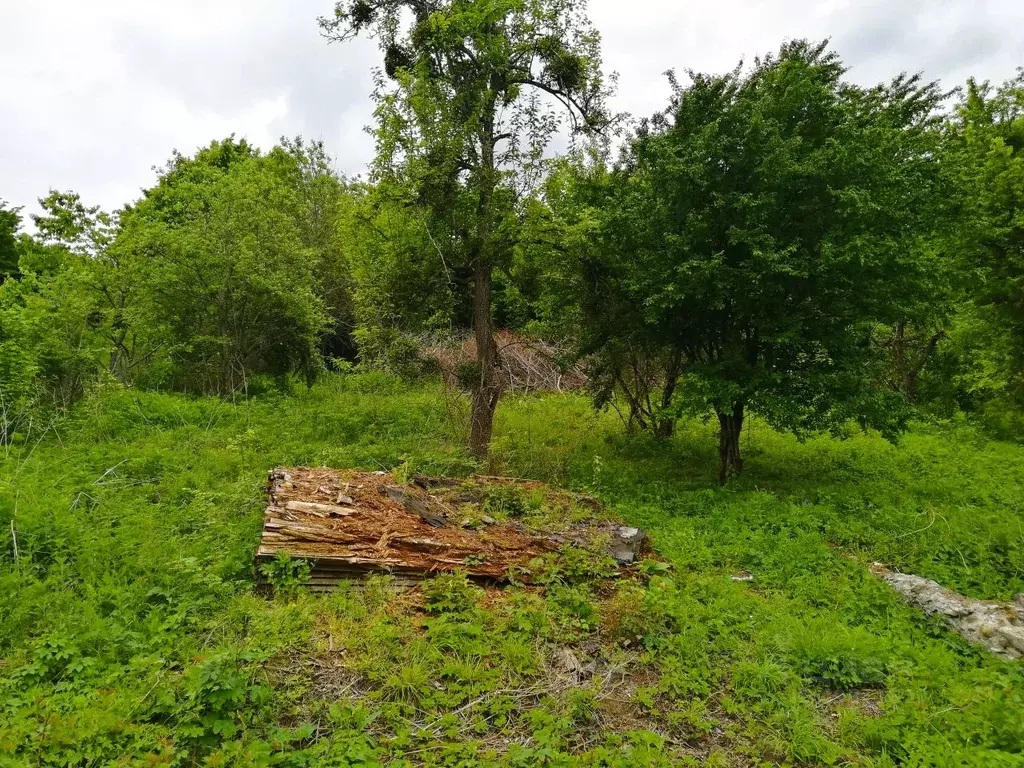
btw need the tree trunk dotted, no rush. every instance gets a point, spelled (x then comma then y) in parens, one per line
(910, 380)
(487, 389)
(666, 425)
(665, 428)
(731, 427)
(899, 356)
(908, 370)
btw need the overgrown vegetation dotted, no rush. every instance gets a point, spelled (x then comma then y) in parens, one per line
(777, 258)
(776, 241)
(130, 632)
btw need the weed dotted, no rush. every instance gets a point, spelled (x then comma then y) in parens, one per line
(572, 609)
(509, 500)
(286, 574)
(835, 656)
(573, 565)
(451, 593)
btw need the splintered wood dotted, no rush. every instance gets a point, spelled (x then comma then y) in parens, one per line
(349, 524)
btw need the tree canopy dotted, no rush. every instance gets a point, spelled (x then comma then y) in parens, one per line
(755, 233)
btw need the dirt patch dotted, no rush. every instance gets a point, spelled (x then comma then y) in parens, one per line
(349, 523)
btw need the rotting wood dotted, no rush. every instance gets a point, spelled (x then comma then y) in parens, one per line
(321, 510)
(410, 531)
(429, 510)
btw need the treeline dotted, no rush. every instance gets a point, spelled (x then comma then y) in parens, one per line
(776, 241)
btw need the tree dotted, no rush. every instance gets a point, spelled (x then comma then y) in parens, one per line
(466, 123)
(10, 223)
(989, 154)
(323, 196)
(52, 336)
(225, 274)
(78, 237)
(756, 233)
(69, 223)
(398, 289)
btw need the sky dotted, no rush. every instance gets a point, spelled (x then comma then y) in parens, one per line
(94, 94)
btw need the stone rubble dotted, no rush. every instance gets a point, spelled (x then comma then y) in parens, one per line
(998, 627)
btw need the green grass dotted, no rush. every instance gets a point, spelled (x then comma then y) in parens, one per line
(130, 634)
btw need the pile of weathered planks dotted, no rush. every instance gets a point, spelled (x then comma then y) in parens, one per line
(348, 524)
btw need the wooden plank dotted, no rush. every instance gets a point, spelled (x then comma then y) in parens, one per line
(313, 533)
(320, 510)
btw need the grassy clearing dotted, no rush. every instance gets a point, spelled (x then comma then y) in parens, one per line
(130, 633)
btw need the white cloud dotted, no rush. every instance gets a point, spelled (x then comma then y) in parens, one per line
(95, 94)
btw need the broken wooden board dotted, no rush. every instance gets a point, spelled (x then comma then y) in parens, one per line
(349, 524)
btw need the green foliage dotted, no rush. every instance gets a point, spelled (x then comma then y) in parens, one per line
(50, 349)
(839, 658)
(286, 574)
(978, 370)
(451, 593)
(573, 565)
(131, 629)
(10, 223)
(228, 270)
(751, 238)
(224, 236)
(73, 226)
(53, 330)
(461, 131)
(507, 500)
(779, 248)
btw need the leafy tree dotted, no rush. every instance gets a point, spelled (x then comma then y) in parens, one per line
(77, 237)
(10, 223)
(989, 155)
(69, 223)
(323, 197)
(466, 124)
(50, 343)
(398, 290)
(758, 231)
(907, 348)
(226, 274)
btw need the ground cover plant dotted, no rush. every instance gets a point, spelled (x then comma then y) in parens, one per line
(131, 632)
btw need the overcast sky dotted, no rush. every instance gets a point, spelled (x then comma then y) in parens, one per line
(94, 93)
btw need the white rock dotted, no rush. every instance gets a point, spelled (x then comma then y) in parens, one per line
(999, 627)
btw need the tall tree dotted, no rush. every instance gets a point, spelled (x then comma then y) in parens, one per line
(10, 223)
(71, 224)
(323, 195)
(990, 134)
(466, 122)
(79, 238)
(52, 336)
(760, 229)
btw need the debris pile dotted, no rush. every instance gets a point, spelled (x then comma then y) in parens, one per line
(526, 364)
(999, 627)
(348, 524)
